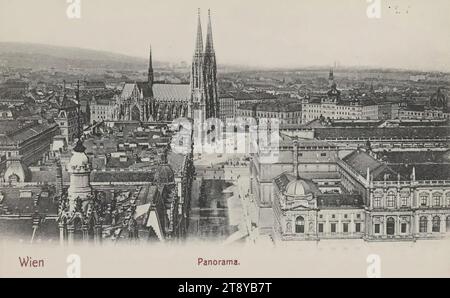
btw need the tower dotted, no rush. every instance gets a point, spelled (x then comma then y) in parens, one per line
(80, 212)
(150, 77)
(196, 109)
(150, 104)
(330, 78)
(210, 74)
(204, 102)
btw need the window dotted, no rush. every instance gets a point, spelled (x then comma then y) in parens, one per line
(345, 215)
(377, 202)
(448, 199)
(300, 225)
(320, 216)
(390, 200)
(447, 224)
(403, 228)
(323, 154)
(423, 199)
(437, 198)
(333, 216)
(320, 227)
(345, 227)
(357, 227)
(358, 216)
(423, 222)
(377, 228)
(333, 228)
(404, 201)
(436, 224)
(390, 226)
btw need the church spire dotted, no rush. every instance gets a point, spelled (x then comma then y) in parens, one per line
(150, 68)
(199, 42)
(209, 48)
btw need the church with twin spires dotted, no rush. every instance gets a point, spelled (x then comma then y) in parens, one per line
(153, 101)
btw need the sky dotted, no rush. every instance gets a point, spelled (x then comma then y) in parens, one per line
(410, 34)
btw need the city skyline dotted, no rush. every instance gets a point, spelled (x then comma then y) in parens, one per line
(312, 33)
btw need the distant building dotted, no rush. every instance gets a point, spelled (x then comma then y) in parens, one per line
(101, 109)
(170, 101)
(134, 102)
(30, 140)
(286, 111)
(227, 106)
(93, 85)
(69, 119)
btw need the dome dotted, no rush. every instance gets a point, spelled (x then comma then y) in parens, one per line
(296, 188)
(16, 171)
(164, 174)
(78, 160)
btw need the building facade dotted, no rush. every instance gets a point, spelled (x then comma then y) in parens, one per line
(101, 110)
(357, 196)
(286, 111)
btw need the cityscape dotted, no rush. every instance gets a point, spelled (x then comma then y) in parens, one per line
(103, 149)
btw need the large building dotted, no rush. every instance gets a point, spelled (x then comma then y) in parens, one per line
(312, 193)
(153, 101)
(28, 139)
(125, 184)
(285, 110)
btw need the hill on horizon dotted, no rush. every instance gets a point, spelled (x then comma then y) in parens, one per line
(38, 56)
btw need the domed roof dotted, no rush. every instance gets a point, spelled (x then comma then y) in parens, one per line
(78, 159)
(18, 169)
(164, 174)
(296, 188)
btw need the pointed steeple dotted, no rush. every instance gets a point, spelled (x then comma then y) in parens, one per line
(209, 47)
(79, 146)
(199, 42)
(150, 68)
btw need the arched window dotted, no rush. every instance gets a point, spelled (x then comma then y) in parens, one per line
(390, 226)
(423, 224)
(436, 224)
(447, 224)
(390, 200)
(423, 199)
(300, 225)
(437, 198)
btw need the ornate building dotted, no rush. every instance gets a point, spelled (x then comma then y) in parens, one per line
(311, 193)
(152, 101)
(68, 115)
(80, 212)
(136, 99)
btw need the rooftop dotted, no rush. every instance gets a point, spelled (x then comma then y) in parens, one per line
(168, 92)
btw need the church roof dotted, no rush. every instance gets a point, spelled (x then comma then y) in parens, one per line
(127, 90)
(171, 92)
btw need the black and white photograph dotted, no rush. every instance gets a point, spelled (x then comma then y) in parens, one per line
(225, 139)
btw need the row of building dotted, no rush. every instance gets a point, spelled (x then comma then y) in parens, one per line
(315, 191)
